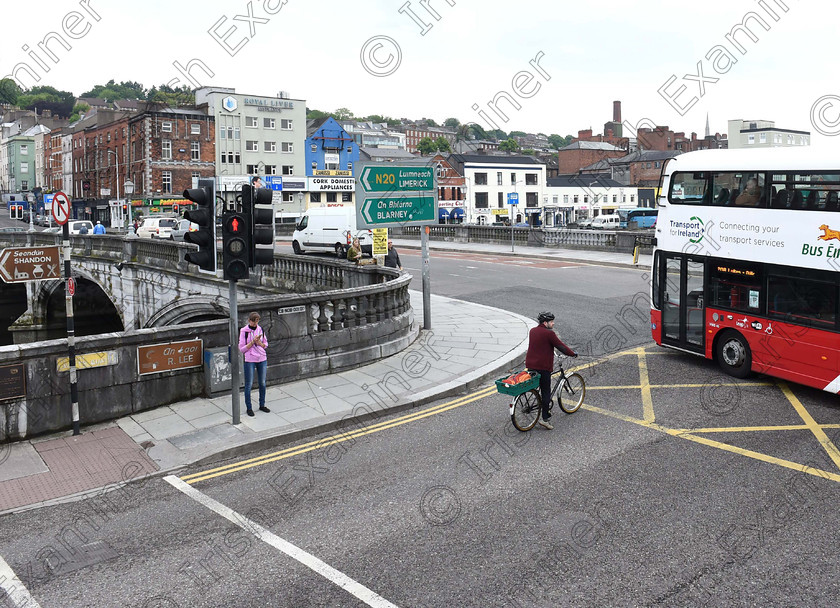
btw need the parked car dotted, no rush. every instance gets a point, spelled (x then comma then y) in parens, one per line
(52, 229)
(76, 226)
(183, 227)
(13, 229)
(585, 223)
(157, 227)
(606, 222)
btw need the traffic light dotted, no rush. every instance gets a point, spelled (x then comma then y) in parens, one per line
(16, 212)
(261, 223)
(175, 208)
(235, 245)
(205, 216)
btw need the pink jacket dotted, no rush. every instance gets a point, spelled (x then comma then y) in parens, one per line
(255, 353)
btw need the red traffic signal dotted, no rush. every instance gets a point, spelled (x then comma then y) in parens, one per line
(235, 246)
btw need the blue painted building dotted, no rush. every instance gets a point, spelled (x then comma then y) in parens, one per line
(329, 147)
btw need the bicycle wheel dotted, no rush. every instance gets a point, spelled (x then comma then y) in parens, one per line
(571, 393)
(526, 410)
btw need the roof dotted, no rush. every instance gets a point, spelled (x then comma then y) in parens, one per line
(495, 160)
(314, 124)
(592, 145)
(36, 130)
(385, 153)
(582, 181)
(762, 159)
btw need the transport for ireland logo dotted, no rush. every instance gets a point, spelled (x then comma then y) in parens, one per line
(693, 229)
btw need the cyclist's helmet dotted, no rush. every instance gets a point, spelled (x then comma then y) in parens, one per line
(545, 316)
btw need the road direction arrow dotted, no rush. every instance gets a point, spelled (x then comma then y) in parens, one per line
(397, 179)
(22, 264)
(396, 210)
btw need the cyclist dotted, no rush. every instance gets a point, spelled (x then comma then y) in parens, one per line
(540, 358)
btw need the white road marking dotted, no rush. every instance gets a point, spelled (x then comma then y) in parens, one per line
(15, 591)
(307, 559)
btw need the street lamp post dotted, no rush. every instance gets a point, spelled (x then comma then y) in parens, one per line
(128, 189)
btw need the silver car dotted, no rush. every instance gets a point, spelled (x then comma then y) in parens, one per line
(181, 228)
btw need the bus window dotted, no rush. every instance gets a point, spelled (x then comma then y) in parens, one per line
(735, 286)
(688, 189)
(802, 300)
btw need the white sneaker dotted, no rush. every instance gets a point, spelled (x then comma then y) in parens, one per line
(546, 425)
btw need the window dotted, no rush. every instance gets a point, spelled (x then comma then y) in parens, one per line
(531, 179)
(332, 197)
(268, 123)
(751, 138)
(271, 169)
(349, 166)
(24, 167)
(195, 128)
(252, 169)
(499, 180)
(736, 286)
(313, 148)
(501, 200)
(481, 200)
(285, 124)
(811, 191)
(288, 197)
(513, 179)
(195, 175)
(346, 197)
(762, 138)
(270, 146)
(195, 150)
(799, 297)
(166, 181)
(166, 127)
(251, 145)
(108, 136)
(287, 170)
(222, 133)
(287, 147)
(576, 199)
(166, 149)
(615, 198)
(252, 121)
(24, 184)
(314, 197)
(632, 198)
(585, 198)
(24, 150)
(480, 179)
(531, 199)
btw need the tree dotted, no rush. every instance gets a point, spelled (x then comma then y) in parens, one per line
(442, 144)
(509, 145)
(429, 122)
(60, 103)
(9, 91)
(528, 152)
(78, 109)
(315, 114)
(452, 123)
(164, 94)
(517, 133)
(343, 114)
(113, 91)
(426, 146)
(558, 141)
(497, 134)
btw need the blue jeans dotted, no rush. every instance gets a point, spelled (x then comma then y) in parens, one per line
(249, 380)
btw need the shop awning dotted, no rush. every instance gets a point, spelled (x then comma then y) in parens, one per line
(443, 213)
(457, 212)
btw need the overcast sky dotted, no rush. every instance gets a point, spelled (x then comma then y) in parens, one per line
(367, 56)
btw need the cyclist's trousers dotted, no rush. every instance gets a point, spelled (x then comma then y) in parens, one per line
(545, 391)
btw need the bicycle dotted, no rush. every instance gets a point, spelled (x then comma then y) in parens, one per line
(527, 400)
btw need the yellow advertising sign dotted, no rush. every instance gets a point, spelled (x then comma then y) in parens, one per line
(380, 241)
(334, 172)
(499, 211)
(88, 360)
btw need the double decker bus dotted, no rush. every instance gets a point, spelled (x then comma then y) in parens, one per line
(746, 265)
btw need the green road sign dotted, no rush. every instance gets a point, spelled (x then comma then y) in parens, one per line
(398, 210)
(397, 179)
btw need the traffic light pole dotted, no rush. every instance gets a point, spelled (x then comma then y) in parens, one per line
(234, 352)
(71, 328)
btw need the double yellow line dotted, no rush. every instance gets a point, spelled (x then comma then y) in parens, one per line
(338, 438)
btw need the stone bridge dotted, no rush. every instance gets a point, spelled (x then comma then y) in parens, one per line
(321, 316)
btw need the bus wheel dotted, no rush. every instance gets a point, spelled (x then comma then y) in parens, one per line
(733, 354)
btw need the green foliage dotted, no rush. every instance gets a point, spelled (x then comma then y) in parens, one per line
(113, 91)
(315, 114)
(9, 91)
(343, 114)
(426, 146)
(429, 122)
(558, 141)
(509, 145)
(166, 95)
(78, 109)
(496, 135)
(528, 152)
(518, 133)
(60, 103)
(442, 144)
(452, 123)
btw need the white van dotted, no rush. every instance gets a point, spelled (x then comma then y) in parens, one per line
(327, 229)
(606, 222)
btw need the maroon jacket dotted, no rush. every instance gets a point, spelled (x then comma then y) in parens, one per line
(541, 344)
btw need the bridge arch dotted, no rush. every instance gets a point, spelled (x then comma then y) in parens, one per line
(94, 311)
(190, 310)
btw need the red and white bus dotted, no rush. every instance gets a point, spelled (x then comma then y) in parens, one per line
(746, 263)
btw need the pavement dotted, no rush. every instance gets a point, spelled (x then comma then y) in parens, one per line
(468, 346)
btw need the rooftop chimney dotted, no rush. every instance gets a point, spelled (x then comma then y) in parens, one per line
(616, 111)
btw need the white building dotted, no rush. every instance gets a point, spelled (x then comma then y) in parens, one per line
(578, 197)
(489, 181)
(764, 134)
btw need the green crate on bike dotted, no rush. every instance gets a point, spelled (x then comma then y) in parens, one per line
(518, 389)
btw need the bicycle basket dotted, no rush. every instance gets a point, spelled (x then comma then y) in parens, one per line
(520, 387)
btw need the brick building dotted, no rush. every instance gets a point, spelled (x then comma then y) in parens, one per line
(414, 133)
(580, 154)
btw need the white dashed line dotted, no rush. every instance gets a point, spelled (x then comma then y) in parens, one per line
(15, 591)
(307, 559)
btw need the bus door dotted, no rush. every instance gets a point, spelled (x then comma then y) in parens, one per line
(683, 306)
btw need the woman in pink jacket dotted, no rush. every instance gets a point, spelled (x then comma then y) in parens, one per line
(252, 344)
